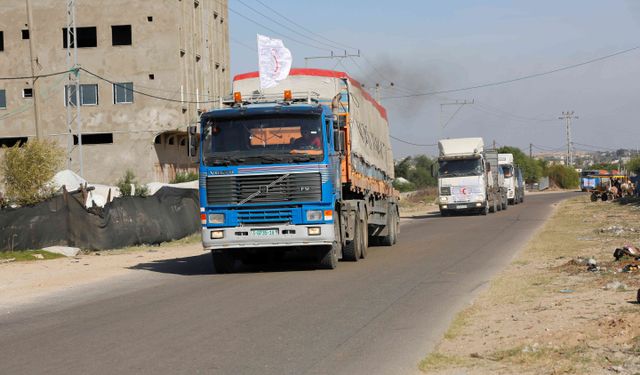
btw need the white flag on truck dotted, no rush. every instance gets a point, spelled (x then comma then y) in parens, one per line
(274, 61)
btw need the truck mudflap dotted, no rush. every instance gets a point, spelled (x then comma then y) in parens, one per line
(278, 235)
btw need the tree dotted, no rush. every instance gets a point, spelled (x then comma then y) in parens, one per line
(27, 171)
(531, 168)
(634, 165)
(564, 176)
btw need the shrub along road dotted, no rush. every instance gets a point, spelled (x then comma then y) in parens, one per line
(381, 315)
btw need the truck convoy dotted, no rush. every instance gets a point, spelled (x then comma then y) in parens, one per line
(469, 179)
(305, 166)
(513, 181)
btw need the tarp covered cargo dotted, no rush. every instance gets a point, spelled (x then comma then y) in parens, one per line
(370, 143)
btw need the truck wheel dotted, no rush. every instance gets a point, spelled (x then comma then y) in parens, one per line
(396, 228)
(390, 238)
(328, 257)
(504, 204)
(365, 238)
(485, 210)
(223, 261)
(351, 252)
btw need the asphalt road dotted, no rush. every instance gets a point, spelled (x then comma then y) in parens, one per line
(377, 316)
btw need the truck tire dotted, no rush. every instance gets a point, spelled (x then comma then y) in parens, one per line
(223, 261)
(390, 238)
(485, 210)
(352, 250)
(328, 257)
(504, 203)
(365, 237)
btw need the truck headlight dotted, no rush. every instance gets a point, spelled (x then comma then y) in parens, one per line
(216, 218)
(315, 215)
(217, 234)
(313, 231)
(444, 199)
(479, 198)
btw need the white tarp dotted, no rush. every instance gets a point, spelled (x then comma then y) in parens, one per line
(369, 127)
(274, 61)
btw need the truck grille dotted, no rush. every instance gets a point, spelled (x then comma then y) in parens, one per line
(296, 187)
(264, 216)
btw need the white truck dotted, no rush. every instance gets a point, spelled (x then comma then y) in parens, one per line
(467, 182)
(513, 182)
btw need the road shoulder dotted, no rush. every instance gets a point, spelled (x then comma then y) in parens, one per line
(546, 313)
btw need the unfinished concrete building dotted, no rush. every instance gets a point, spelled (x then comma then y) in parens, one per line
(151, 68)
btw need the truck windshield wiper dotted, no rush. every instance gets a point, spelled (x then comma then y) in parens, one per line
(224, 161)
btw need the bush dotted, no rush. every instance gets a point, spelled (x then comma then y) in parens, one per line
(27, 171)
(184, 177)
(124, 185)
(565, 177)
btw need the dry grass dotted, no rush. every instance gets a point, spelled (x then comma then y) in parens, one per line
(546, 313)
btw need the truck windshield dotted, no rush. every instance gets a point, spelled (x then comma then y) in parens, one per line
(460, 167)
(508, 170)
(262, 140)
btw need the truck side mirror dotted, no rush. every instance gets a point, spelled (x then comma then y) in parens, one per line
(193, 144)
(434, 170)
(488, 167)
(339, 141)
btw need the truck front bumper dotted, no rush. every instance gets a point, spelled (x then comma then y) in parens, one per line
(462, 206)
(282, 235)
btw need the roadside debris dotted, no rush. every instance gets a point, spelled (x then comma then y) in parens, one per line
(627, 250)
(63, 250)
(38, 256)
(7, 260)
(630, 268)
(592, 265)
(616, 285)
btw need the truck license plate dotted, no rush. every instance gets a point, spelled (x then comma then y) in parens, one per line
(461, 206)
(265, 232)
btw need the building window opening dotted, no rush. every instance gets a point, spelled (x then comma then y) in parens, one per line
(183, 142)
(87, 37)
(215, 15)
(158, 140)
(1, 41)
(3, 99)
(27, 93)
(94, 139)
(88, 94)
(152, 76)
(150, 19)
(25, 34)
(171, 140)
(121, 35)
(123, 93)
(12, 141)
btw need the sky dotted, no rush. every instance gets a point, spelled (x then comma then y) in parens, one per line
(425, 46)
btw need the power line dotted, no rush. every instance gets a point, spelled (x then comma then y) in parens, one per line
(535, 75)
(276, 32)
(304, 28)
(36, 76)
(243, 45)
(413, 144)
(296, 32)
(499, 112)
(146, 94)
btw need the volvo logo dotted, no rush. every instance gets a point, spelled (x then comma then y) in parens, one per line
(305, 188)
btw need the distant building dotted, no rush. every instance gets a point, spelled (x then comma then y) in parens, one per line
(177, 50)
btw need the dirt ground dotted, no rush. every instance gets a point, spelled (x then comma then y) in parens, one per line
(24, 282)
(546, 313)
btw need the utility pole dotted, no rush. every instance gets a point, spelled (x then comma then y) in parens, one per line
(459, 103)
(332, 56)
(33, 59)
(568, 116)
(72, 88)
(530, 150)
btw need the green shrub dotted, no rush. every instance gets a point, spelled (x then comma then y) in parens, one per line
(565, 177)
(124, 185)
(27, 171)
(184, 177)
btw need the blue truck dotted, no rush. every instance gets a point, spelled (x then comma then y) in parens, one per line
(303, 167)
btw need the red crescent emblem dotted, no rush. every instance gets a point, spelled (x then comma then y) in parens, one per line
(464, 190)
